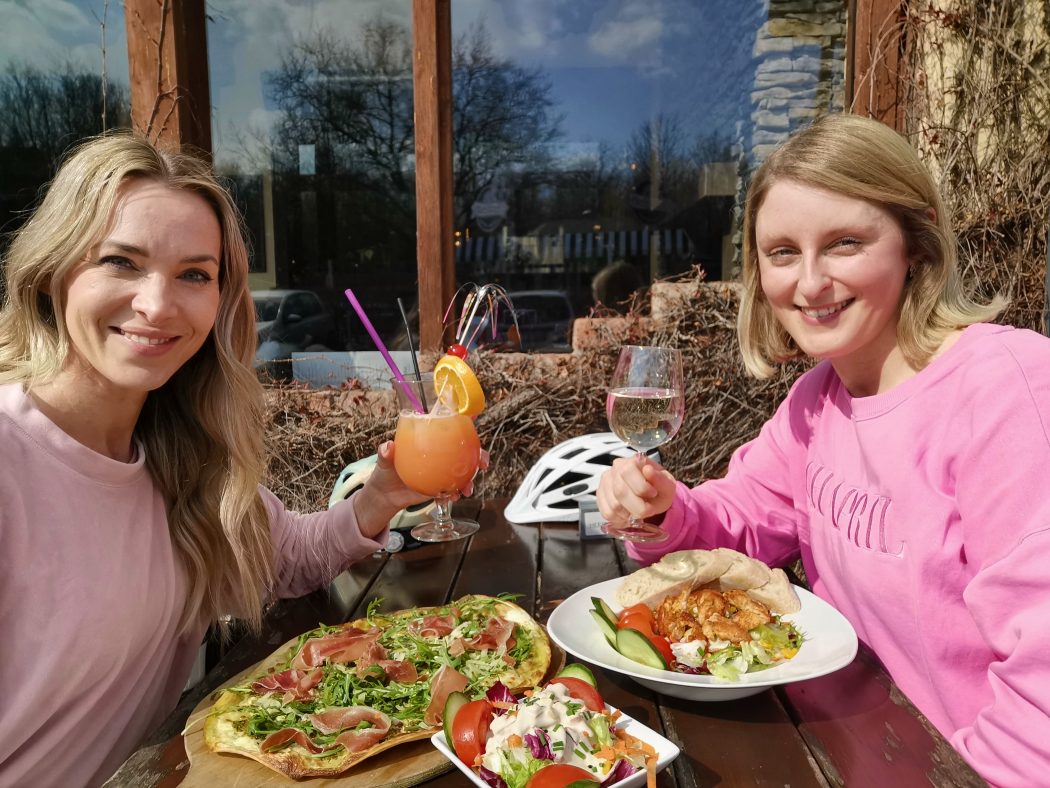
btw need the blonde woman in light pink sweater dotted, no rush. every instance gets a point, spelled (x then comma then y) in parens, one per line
(132, 511)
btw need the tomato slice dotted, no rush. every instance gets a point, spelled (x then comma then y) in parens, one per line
(582, 691)
(559, 775)
(637, 621)
(639, 609)
(663, 645)
(470, 729)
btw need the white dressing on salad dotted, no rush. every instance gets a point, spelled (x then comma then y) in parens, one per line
(563, 718)
(690, 652)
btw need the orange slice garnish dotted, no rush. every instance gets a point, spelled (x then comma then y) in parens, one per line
(454, 375)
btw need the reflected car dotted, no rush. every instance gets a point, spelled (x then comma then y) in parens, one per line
(544, 323)
(290, 321)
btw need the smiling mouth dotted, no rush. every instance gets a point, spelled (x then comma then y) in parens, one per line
(143, 340)
(821, 312)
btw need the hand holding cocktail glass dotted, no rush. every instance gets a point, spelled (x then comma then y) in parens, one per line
(645, 407)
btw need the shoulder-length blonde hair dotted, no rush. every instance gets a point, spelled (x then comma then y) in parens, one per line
(867, 160)
(203, 429)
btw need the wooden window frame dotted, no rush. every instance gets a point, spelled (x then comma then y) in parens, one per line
(170, 102)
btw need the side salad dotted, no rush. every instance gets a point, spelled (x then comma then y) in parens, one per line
(561, 734)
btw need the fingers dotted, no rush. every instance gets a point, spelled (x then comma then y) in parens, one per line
(632, 487)
(483, 460)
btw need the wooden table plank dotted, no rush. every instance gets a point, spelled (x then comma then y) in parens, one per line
(862, 730)
(568, 563)
(745, 742)
(502, 558)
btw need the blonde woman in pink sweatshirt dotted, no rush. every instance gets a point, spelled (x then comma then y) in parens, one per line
(132, 511)
(909, 468)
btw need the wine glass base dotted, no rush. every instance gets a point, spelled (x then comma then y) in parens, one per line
(450, 532)
(635, 532)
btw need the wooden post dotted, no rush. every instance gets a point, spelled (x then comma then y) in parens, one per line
(432, 96)
(168, 71)
(873, 60)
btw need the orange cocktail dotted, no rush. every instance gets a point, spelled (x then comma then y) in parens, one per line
(436, 454)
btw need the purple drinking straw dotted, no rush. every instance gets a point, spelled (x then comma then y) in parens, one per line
(382, 349)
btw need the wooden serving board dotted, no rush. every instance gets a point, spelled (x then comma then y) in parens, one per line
(404, 765)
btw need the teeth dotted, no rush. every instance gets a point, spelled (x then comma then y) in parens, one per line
(825, 311)
(144, 340)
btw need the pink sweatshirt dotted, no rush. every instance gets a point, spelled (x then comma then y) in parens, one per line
(90, 597)
(923, 514)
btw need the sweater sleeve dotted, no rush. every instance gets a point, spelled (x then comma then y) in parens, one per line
(1004, 506)
(311, 549)
(752, 508)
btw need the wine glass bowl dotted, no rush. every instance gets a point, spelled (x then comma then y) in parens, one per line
(436, 453)
(645, 407)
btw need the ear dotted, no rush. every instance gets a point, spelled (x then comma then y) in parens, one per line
(931, 214)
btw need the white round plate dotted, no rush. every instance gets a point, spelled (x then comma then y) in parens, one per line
(830, 643)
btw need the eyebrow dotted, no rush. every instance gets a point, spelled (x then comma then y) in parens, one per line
(137, 250)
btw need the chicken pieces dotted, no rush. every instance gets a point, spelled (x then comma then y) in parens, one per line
(709, 614)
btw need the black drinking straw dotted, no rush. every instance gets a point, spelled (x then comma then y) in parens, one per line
(412, 351)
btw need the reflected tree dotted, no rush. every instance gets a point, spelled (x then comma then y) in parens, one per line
(353, 101)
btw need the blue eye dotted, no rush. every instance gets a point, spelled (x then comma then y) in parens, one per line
(198, 277)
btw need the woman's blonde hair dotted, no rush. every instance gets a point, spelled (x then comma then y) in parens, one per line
(203, 429)
(862, 158)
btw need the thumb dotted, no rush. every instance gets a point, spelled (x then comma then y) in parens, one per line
(385, 455)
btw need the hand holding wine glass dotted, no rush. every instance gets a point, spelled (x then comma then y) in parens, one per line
(645, 408)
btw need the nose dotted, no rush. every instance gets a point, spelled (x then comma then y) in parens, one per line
(813, 277)
(155, 298)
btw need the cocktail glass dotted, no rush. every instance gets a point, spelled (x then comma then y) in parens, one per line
(435, 453)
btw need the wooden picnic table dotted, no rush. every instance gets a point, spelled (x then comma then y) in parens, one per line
(852, 727)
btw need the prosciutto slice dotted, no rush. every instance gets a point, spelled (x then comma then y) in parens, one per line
(432, 626)
(286, 735)
(295, 684)
(496, 636)
(446, 681)
(332, 721)
(340, 647)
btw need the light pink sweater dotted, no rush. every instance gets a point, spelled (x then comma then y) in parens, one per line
(923, 514)
(90, 598)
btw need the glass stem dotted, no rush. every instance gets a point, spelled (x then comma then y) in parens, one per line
(634, 521)
(443, 512)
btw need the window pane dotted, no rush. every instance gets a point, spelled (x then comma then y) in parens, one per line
(63, 77)
(312, 123)
(601, 145)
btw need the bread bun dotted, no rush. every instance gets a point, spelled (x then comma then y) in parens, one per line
(721, 568)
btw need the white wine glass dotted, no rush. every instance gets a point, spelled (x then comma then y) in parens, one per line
(645, 408)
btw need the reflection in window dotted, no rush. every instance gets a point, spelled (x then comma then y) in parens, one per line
(312, 124)
(601, 145)
(57, 86)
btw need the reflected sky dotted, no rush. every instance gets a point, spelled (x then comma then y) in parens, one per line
(612, 64)
(49, 34)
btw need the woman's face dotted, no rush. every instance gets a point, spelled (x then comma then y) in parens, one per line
(145, 298)
(833, 269)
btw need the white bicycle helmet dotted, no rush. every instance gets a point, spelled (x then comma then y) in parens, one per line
(353, 478)
(564, 476)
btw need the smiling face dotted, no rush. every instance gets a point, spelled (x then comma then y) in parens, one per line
(833, 269)
(146, 297)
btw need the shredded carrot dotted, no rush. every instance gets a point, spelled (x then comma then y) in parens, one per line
(502, 704)
(615, 716)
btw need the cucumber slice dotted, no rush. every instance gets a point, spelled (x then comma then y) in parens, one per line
(455, 701)
(607, 629)
(634, 645)
(603, 607)
(576, 670)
